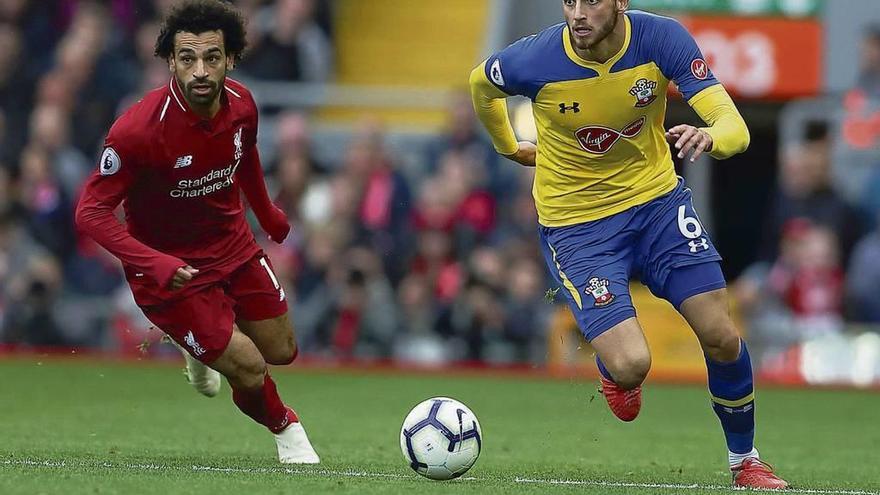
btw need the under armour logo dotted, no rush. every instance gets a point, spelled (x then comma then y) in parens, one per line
(575, 107)
(700, 244)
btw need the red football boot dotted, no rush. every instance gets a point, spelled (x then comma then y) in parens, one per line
(755, 473)
(625, 404)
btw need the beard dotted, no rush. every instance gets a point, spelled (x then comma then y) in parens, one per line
(601, 33)
(202, 100)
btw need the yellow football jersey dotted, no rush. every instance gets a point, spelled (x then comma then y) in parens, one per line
(601, 136)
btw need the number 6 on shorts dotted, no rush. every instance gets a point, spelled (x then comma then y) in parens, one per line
(689, 226)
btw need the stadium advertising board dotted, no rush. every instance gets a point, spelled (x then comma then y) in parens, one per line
(794, 8)
(766, 58)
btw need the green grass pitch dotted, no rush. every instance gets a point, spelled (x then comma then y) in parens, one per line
(71, 427)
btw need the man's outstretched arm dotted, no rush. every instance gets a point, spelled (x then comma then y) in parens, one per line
(726, 134)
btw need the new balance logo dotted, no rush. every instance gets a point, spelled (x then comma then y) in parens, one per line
(184, 161)
(698, 245)
(190, 340)
(575, 107)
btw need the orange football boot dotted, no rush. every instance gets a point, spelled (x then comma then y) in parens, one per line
(625, 404)
(755, 473)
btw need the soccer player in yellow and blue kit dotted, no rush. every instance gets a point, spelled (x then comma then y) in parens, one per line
(609, 202)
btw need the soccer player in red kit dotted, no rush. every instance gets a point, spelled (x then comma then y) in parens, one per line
(177, 161)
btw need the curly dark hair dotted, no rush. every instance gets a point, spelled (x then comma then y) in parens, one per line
(199, 16)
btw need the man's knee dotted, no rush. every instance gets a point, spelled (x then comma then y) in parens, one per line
(248, 374)
(721, 343)
(629, 369)
(709, 316)
(284, 353)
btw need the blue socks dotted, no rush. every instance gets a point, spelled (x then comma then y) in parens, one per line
(602, 369)
(733, 399)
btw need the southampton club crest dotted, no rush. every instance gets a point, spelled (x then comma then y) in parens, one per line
(598, 288)
(643, 90)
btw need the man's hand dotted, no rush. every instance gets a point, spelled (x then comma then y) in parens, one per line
(275, 224)
(525, 155)
(182, 276)
(687, 138)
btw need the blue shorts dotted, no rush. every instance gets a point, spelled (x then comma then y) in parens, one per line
(662, 242)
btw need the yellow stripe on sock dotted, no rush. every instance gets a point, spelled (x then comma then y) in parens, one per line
(733, 403)
(575, 294)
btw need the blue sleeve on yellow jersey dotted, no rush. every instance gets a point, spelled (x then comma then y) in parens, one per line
(529, 64)
(674, 50)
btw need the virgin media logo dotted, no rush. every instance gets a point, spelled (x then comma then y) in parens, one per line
(598, 139)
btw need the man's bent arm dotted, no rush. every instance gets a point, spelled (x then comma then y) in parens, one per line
(250, 178)
(491, 108)
(95, 217)
(730, 135)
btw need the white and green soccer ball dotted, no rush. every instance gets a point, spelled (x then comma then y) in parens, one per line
(441, 438)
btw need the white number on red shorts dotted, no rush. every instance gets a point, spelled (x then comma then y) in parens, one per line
(689, 226)
(272, 276)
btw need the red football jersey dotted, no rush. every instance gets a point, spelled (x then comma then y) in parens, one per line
(176, 175)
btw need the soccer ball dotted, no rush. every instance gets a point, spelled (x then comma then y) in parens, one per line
(441, 438)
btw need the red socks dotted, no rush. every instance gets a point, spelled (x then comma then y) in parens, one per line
(264, 406)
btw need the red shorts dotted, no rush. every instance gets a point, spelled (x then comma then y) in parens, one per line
(202, 322)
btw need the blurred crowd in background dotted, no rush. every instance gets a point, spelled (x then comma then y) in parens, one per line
(819, 263)
(433, 263)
